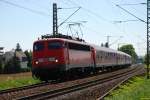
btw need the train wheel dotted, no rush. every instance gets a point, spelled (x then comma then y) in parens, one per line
(43, 79)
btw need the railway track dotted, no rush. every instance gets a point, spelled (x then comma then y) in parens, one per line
(122, 80)
(23, 88)
(65, 90)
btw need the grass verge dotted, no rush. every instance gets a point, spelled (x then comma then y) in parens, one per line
(17, 83)
(137, 88)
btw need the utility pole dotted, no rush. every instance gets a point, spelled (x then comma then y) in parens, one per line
(148, 36)
(55, 19)
(55, 27)
(107, 43)
(148, 30)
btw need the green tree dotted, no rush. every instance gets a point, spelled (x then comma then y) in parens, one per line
(106, 45)
(129, 49)
(1, 66)
(16, 63)
(13, 65)
(18, 47)
(145, 58)
(29, 58)
(8, 68)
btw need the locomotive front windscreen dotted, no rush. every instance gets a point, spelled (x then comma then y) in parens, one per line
(55, 45)
(38, 46)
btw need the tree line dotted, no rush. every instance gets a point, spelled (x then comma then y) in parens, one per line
(13, 65)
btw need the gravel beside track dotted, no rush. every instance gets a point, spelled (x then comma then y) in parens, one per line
(45, 88)
(6, 77)
(97, 92)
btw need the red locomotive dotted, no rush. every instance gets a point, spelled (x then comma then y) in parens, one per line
(54, 57)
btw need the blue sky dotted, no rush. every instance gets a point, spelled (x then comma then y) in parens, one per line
(18, 25)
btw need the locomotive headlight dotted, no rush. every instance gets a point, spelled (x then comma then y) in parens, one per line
(36, 62)
(56, 60)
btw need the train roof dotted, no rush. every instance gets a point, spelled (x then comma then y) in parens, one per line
(109, 50)
(62, 39)
(85, 43)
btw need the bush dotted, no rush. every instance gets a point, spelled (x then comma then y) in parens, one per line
(29, 58)
(12, 66)
(9, 67)
(1, 67)
(25, 69)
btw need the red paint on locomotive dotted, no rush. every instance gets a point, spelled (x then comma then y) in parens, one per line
(55, 56)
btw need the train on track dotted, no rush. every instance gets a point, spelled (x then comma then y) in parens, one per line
(54, 57)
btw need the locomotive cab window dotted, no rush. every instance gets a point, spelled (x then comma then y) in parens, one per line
(38, 46)
(55, 45)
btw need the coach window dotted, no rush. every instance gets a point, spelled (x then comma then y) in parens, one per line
(110, 54)
(114, 55)
(118, 57)
(101, 57)
(97, 56)
(38, 46)
(66, 45)
(106, 55)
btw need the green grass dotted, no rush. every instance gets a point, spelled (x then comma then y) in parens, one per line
(17, 83)
(137, 88)
(146, 66)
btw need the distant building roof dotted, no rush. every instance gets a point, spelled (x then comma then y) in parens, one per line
(20, 54)
(1, 52)
(1, 48)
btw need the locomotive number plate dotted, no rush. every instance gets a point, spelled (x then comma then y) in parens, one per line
(41, 60)
(51, 59)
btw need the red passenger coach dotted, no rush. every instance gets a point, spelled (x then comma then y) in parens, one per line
(56, 56)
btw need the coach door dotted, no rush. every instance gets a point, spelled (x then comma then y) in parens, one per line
(93, 56)
(66, 54)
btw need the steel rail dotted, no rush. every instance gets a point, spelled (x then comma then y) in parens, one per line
(23, 87)
(65, 90)
(117, 85)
